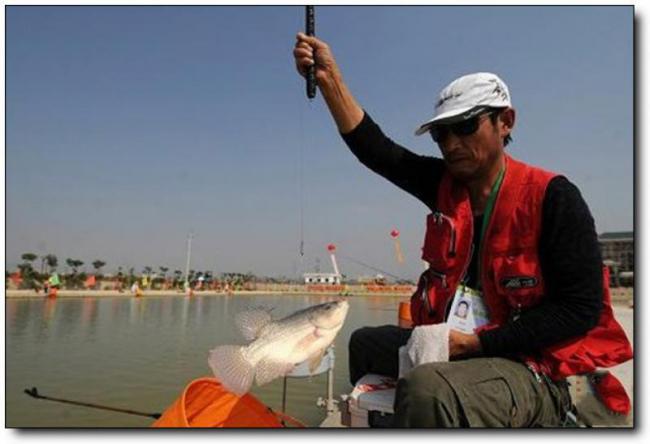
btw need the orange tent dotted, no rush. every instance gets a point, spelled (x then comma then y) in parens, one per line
(91, 281)
(16, 278)
(206, 403)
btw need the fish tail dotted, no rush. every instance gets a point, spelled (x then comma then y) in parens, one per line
(231, 368)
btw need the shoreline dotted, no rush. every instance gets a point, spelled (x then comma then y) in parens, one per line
(620, 296)
(31, 294)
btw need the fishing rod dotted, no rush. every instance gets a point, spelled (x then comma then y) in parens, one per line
(33, 392)
(310, 30)
(356, 261)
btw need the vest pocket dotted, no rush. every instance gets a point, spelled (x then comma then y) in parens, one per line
(429, 301)
(518, 278)
(440, 241)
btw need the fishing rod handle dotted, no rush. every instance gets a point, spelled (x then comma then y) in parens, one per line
(310, 29)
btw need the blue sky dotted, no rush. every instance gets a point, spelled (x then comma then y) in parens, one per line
(127, 127)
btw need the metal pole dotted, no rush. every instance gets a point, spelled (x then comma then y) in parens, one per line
(284, 395)
(330, 390)
(187, 264)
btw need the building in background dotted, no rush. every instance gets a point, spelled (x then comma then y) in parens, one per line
(617, 250)
(322, 278)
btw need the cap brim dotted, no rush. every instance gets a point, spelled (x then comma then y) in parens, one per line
(452, 116)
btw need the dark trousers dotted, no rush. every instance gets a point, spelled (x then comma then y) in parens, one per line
(477, 392)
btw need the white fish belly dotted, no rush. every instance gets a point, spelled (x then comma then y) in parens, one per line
(279, 344)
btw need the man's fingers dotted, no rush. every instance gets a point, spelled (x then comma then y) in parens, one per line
(304, 60)
(303, 52)
(303, 65)
(311, 41)
(304, 45)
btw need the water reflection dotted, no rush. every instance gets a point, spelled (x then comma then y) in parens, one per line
(89, 317)
(68, 318)
(11, 309)
(21, 317)
(140, 352)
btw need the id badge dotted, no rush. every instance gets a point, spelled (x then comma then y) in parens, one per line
(468, 311)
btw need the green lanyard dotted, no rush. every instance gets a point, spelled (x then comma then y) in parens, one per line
(489, 206)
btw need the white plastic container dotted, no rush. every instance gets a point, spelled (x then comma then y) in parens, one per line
(371, 393)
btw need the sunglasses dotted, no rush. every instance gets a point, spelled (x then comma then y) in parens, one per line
(460, 129)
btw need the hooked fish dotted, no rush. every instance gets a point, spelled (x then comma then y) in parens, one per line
(277, 346)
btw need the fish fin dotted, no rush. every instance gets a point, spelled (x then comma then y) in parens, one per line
(250, 322)
(269, 369)
(307, 341)
(231, 368)
(315, 360)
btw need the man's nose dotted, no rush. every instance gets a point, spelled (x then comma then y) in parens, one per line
(451, 144)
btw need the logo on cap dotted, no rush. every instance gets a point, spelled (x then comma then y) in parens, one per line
(498, 90)
(446, 98)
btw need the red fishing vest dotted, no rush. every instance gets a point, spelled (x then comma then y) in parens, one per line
(510, 274)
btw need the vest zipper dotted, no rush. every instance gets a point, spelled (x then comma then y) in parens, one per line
(439, 218)
(471, 252)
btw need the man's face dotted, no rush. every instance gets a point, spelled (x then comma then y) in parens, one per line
(471, 156)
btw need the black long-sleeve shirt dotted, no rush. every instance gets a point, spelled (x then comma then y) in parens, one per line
(568, 247)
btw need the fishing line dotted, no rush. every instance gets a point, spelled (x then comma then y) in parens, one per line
(363, 264)
(301, 192)
(310, 85)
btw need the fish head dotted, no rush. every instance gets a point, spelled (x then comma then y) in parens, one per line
(330, 314)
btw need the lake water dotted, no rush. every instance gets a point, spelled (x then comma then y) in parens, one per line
(139, 353)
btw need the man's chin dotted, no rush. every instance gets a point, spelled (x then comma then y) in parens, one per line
(461, 171)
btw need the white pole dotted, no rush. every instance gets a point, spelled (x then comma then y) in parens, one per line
(187, 264)
(336, 268)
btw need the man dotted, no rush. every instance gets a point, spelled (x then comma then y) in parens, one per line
(462, 309)
(515, 238)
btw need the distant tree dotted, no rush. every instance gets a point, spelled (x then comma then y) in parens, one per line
(29, 257)
(74, 280)
(98, 265)
(27, 271)
(52, 262)
(69, 262)
(208, 276)
(29, 278)
(163, 271)
(147, 270)
(76, 264)
(177, 278)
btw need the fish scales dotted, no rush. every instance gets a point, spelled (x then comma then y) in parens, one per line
(278, 346)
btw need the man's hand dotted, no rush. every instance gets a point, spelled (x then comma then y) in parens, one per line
(309, 51)
(462, 345)
(345, 110)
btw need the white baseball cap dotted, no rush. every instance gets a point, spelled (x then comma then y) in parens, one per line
(466, 97)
